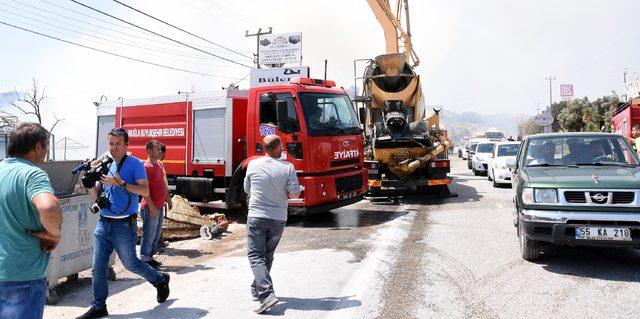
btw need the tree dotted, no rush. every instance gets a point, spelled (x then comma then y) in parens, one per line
(30, 103)
(570, 118)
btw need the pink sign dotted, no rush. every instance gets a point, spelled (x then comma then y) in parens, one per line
(566, 90)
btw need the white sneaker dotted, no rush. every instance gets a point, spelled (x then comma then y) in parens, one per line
(266, 304)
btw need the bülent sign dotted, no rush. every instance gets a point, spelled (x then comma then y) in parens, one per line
(261, 77)
(280, 48)
(544, 119)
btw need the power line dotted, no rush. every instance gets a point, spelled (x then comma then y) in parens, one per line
(125, 27)
(209, 13)
(113, 54)
(162, 49)
(97, 25)
(177, 28)
(233, 13)
(160, 35)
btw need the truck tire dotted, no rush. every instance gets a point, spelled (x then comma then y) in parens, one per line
(529, 249)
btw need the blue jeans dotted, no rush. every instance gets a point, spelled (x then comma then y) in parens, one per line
(263, 236)
(121, 237)
(151, 233)
(22, 299)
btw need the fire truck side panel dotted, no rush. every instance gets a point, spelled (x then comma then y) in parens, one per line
(168, 125)
(627, 118)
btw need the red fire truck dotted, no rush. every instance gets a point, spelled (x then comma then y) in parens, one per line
(626, 116)
(211, 138)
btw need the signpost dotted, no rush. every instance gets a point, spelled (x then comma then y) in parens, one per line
(280, 48)
(261, 77)
(544, 119)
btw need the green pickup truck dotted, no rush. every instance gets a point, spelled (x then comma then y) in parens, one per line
(576, 189)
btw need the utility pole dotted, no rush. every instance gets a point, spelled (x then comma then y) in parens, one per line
(548, 128)
(257, 35)
(550, 79)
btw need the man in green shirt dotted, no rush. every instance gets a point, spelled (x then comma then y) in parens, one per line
(30, 223)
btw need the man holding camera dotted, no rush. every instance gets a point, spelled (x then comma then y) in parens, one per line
(30, 220)
(117, 229)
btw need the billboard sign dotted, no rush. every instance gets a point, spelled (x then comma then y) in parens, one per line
(262, 77)
(280, 48)
(566, 91)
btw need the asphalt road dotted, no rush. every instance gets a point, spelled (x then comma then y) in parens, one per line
(419, 258)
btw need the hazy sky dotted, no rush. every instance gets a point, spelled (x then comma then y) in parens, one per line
(483, 56)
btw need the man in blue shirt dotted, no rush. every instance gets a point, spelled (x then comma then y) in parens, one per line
(117, 228)
(30, 223)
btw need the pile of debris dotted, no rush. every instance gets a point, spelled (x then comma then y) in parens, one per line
(185, 222)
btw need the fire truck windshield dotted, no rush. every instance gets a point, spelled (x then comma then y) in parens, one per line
(329, 114)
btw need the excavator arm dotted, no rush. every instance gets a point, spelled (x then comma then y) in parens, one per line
(393, 29)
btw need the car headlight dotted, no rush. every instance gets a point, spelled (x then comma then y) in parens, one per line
(545, 195)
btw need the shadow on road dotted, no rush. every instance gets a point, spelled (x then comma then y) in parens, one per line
(163, 311)
(615, 264)
(312, 304)
(345, 218)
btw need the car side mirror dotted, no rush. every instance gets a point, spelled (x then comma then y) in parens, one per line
(511, 163)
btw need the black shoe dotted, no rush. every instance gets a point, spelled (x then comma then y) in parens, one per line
(163, 288)
(95, 313)
(154, 263)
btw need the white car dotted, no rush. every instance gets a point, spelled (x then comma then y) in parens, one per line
(465, 150)
(481, 157)
(499, 173)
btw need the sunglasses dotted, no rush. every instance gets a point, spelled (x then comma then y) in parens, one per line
(120, 129)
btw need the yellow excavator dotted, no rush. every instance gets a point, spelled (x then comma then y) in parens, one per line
(404, 149)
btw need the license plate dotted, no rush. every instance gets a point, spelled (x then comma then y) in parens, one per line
(603, 233)
(373, 171)
(347, 196)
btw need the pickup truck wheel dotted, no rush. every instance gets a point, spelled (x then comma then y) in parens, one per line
(529, 249)
(475, 172)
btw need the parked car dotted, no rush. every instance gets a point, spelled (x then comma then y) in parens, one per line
(473, 143)
(483, 153)
(465, 149)
(498, 172)
(576, 189)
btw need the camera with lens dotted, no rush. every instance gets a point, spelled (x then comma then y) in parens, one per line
(101, 202)
(93, 174)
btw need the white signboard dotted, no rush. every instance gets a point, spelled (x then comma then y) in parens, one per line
(262, 77)
(631, 85)
(566, 91)
(544, 119)
(280, 48)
